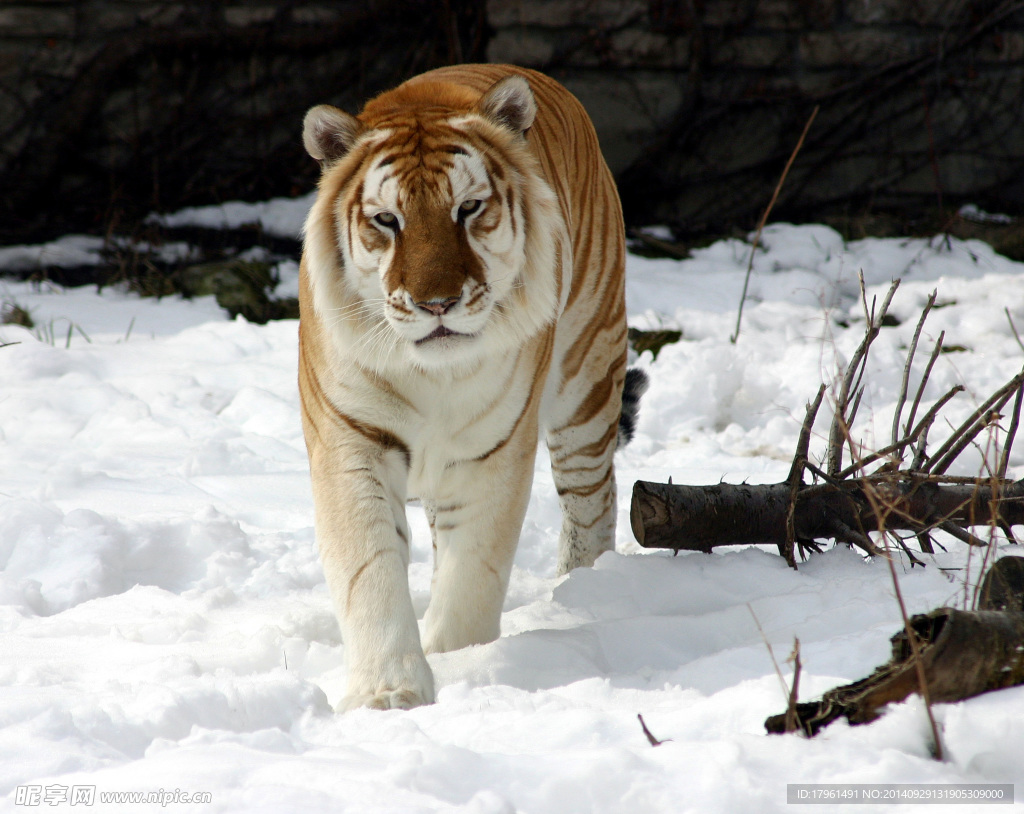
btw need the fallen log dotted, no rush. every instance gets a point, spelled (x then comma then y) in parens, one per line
(963, 653)
(700, 518)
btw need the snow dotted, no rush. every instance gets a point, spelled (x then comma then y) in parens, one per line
(280, 217)
(65, 252)
(166, 625)
(975, 213)
(73, 251)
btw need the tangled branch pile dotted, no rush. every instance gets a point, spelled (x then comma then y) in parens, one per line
(908, 491)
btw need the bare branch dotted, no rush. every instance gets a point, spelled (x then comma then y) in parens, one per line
(771, 652)
(906, 368)
(924, 380)
(804, 440)
(926, 422)
(1011, 431)
(653, 741)
(961, 654)
(962, 535)
(840, 421)
(834, 482)
(764, 220)
(881, 504)
(847, 534)
(969, 430)
(852, 415)
(1014, 328)
(796, 474)
(910, 554)
(792, 719)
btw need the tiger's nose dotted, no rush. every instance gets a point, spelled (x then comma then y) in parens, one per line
(438, 307)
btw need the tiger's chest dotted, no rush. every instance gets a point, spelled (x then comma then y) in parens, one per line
(445, 422)
(461, 423)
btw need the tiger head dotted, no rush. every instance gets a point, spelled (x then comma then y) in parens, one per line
(435, 239)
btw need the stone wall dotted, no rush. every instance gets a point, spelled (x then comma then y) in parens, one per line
(700, 102)
(113, 108)
(110, 109)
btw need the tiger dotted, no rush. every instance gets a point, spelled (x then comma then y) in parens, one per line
(461, 297)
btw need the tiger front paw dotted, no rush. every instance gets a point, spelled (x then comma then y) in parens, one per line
(386, 699)
(411, 685)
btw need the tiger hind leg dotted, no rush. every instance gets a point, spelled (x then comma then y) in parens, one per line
(582, 448)
(582, 452)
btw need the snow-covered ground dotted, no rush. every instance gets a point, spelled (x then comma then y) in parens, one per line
(165, 625)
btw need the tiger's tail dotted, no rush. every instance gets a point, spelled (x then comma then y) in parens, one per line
(635, 386)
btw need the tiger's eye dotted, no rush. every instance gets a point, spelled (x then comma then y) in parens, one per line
(387, 219)
(469, 207)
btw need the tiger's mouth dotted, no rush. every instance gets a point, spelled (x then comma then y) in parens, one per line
(440, 332)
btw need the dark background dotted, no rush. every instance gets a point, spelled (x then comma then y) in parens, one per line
(111, 109)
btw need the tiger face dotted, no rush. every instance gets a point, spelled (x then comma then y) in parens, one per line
(436, 213)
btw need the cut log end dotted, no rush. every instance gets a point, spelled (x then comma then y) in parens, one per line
(644, 512)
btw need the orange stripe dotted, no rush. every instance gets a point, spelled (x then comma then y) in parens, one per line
(586, 491)
(379, 436)
(596, 449)
(533, 397)
(359, 573)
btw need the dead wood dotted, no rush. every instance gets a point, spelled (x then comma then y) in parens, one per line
(962, 654)
(653, 741)
(700, 518)
(848, 503)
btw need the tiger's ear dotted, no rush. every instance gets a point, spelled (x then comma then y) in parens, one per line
(328, 133)
(510, 104)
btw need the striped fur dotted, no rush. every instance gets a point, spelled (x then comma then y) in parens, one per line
(461, 296)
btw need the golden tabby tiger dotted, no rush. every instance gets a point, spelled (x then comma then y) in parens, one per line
(461, 294)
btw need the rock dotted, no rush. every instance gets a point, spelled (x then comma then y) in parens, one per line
(240, 286)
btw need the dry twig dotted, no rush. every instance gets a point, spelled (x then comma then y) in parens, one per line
(792, 719)
(764, 220)
(653, 741)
